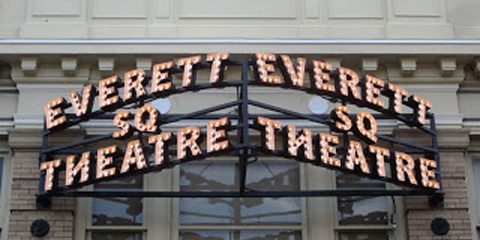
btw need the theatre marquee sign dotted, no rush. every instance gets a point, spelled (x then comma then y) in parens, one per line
(353, 143)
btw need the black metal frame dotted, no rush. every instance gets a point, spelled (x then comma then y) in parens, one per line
(244, 149)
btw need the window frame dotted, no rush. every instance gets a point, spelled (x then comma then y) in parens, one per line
(6, 180)
(396, 231)
(302, 227)
(84, 210)
(153, 227)
(473, 192)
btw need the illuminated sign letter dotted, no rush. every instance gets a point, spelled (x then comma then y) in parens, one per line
(293, 76)
(161, 81)
(82, 105)
(267, 127)
(133, 82)
(349, 145)
(380, 154)
(146, 119)
(366, 126)
(54, 115)
(108, 92)
(216, 132)
(321, 76)
(373, 87)
(160, 141)
(121, 120)
(105, 158)
(405, 165)
(264, 67)
(427, 169)
(342, 121)
(188, 74)
(49, 168)
(133, 155)
(420, 107)
(355, 156)
(304, 139)
(82, 166)
(328, 149)
(218, 68)
(348, 81)
(396, 95)
(187, 138)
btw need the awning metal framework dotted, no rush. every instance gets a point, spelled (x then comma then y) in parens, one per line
(244, 149)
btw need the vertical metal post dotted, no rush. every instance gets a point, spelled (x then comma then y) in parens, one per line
(243, 117)
(43, 200)
(437, 198)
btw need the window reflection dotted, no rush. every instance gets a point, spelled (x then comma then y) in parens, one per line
(361, 209)
(118, 211)
(240, 235)
(116, 236)
(263, 175)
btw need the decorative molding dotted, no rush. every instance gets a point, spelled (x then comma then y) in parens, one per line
(162, 9)
(444, 121)
(334, 46)
(5, 126)
(69, 65)
(50, 87)
(432, 88)
(120, 9)
(447, 138)
(414, 8)
(233, 9)
(448, 66)
(29, 65)
(369, 64)
(477, 67)
(106, 65)
(408, 66)
(25, 139)
(143, 63)
(57, 8)
(334, 61)
(473, 125)
(312, 9)
(348, 9)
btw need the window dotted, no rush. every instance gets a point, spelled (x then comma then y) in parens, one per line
(126, 218)
(362, 217)
(2, 196)
(240, 218)
(118, 212)
(4, 193)
(475, 183)
(1, 174)
(242, 235)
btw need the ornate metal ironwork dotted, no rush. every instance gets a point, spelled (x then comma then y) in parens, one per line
(244, 148)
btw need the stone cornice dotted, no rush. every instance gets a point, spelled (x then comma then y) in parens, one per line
(240, 45)
(83, 66)
(447, 138)
(32, 138)
(25, 139)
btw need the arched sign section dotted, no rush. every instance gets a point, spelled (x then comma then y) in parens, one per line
(352, 144)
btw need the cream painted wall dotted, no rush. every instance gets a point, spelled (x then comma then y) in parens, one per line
(233, 18)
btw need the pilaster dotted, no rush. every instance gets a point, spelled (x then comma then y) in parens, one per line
(419, 214)
(25, 146)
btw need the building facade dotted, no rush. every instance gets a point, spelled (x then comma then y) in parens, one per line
(50, 47)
